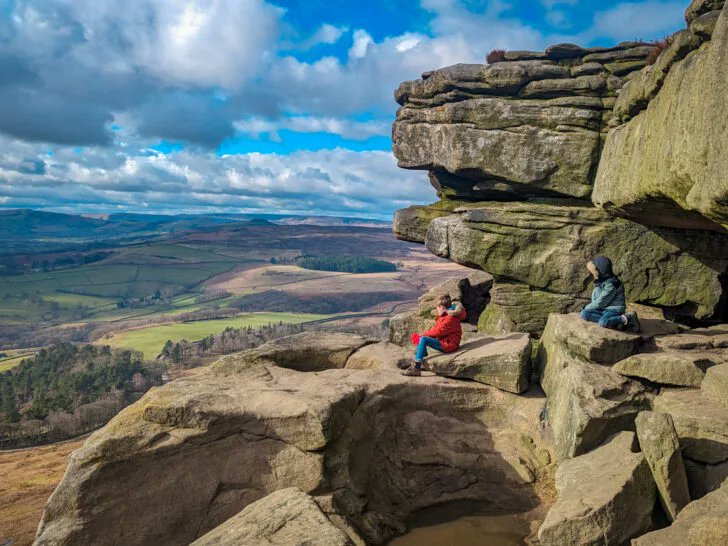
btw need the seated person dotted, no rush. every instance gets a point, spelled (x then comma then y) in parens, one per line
(607, 307)
(444, 336)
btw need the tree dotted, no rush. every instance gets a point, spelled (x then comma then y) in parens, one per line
(10, 408)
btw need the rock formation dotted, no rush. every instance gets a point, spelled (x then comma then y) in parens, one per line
(514, 150)
(540, 162)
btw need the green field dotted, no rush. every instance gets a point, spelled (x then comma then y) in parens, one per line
(90, 292)
(14, 357)
(151, 340)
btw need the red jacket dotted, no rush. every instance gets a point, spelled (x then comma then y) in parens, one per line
(447, 328)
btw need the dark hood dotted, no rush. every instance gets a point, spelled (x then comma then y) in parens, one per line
(604, 267)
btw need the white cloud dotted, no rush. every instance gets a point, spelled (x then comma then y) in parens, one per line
(327, 181)
(637, 20)
(350, 129)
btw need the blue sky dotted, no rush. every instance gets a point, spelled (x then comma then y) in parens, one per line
(245, 105)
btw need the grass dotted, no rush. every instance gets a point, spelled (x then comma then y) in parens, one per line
(14, 357)
(151, 340)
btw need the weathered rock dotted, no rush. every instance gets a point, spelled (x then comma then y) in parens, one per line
(714, 338)
(411, 224)
(586, 402)
(305, 352)
(500, 361)
(524, 55)
(380, 446)
(588, 86)
(666, 166)
(518, 308)
(380, 356)
(660, 446)
(564, 51)
(704, 478)
(702, 522)
(704, 25)
(471, 290)
(715, 385)
(701, 7)
(701, 425)
(587, 69)
(604, 497)
(639, 53)
(288, 516)
(547, 246)
(678, 368)
(572, 336)
(541, 149)
(402, 326)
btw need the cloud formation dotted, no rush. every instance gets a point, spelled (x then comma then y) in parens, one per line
(98, 84)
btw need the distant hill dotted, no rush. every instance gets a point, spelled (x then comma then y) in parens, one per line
(44, 231)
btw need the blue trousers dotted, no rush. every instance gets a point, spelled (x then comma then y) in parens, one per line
(608, 318)
(422, 346)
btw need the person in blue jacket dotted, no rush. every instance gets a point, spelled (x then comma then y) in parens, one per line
(608, 305)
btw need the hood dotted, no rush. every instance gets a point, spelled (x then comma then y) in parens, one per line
(604, 267)
(455, 309)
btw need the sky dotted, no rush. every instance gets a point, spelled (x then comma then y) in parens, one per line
(246, 105)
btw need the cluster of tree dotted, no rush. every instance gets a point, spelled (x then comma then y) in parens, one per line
(187, 353)
(281, 301)
(132, 303)
(20, 263)
(70, 385)
(347, 264)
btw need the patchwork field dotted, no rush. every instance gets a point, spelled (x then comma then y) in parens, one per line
(151, 340)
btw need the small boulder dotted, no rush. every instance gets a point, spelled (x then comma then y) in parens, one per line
(288, 516)
(682, 369)
(604, 497)
(471, 290)
(715, 385)
(659, 443)
(500, 361)
(402, 326)
(701, 425)
(557, 52)
(703, 522)
(378, 356)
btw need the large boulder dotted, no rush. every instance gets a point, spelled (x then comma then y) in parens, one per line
(667, 165)
(586, 402)
(403, 325)
(288, 516)
(701, 523)
(715, 386)
(547, 246)
(501, 361)
(371, 444)
(677, 368)
(659, 443)
(515, 307)
(604, 497)
(702, 425)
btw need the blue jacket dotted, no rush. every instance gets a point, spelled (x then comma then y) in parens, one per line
(608, 294)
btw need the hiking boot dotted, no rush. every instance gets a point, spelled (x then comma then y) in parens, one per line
(412, 371)
(633, 323)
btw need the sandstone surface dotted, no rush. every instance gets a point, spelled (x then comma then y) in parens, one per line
(380, 356)
(678, 368)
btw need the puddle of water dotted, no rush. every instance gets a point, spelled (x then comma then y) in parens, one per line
(505, 530)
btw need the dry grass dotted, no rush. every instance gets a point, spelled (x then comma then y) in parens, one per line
(496, 56)
(29, 476)
(660, 45)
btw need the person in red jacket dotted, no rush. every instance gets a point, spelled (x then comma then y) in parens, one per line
(444, 336)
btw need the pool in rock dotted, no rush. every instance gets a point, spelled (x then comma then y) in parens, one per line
(454, 525)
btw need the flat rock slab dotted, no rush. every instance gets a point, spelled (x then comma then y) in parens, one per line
(604, 497)
(288, 516)
(682, 369)
(380, 356)
(501, 361)
(715, 337)
(305, 352)
(659, 443)
(701, 425)
(703, 522)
